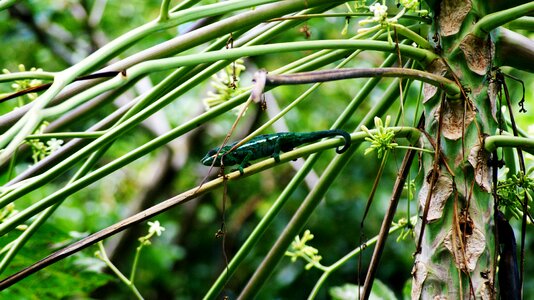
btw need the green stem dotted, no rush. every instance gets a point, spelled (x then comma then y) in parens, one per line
(424, 57)
(135, 261)
(330, 269)
(66, 135)
(164, 11)
(489, 22)
(409, 34)
(523, 23)
(11, 167)
(104, 257)
(416, 149)
(57, 196)
(493, 142)
(344, 15)
(27, 75)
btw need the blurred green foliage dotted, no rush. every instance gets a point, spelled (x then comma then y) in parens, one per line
(187, 258)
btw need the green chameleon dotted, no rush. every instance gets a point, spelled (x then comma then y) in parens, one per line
(268, 145)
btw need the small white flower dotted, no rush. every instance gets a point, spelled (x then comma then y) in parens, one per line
(54, 144)
(156, 228)
(380, 11)
(409, 4)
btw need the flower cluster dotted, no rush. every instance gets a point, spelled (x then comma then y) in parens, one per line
(380, 12)
(226, 84)
(383, 140)
(20, 85)
(40, 150)
(409, 4)
(380, 16)
(306, 252)
(407, 227)
(512, 192)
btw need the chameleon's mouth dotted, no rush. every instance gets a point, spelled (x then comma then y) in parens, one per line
(208, 161)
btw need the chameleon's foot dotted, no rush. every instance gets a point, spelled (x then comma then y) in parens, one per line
(240, 169)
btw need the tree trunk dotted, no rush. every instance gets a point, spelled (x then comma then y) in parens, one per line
(456, 258)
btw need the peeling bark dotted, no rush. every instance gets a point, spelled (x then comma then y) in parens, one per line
(466, 255)
(478, 158)
(437, 67)
(453, 13)
(477, 53)
(453, 118)
(440, 193)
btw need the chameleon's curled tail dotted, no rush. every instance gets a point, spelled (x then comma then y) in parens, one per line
(346, 136)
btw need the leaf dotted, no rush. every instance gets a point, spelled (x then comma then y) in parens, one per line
(349, 291)
(73, 277)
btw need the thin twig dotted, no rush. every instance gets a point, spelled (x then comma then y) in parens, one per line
(331, 75)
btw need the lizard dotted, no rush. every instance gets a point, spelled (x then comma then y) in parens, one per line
(269, 145)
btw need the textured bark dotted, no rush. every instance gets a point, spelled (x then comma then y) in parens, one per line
(457, 251)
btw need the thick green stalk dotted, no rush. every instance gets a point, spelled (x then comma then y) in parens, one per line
(230, 54)
(112, 134)
(148, 67)
(489, 22)
(493, 142)
(401, 132)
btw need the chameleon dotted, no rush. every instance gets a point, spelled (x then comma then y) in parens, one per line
(269, 145)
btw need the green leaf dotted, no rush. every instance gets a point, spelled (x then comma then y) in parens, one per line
(76, 276)
(349, 291)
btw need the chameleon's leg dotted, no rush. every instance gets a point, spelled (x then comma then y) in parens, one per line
(244, 163)
(276, 152)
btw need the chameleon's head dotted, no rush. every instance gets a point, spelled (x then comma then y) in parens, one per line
(208, 159)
